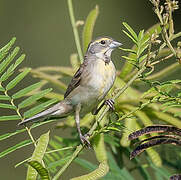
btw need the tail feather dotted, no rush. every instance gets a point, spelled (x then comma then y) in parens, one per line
(57, 109)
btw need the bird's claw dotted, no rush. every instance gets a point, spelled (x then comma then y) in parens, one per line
(110, 103)
(84, 140)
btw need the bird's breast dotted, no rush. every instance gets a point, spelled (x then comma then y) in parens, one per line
(97, 79)
(101, 78)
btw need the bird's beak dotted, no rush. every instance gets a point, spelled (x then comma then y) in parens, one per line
(115, 44)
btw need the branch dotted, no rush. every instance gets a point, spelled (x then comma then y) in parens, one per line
(163, 22)
(75, 31)
(74, 155)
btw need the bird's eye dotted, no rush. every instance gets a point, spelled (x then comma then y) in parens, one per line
(103, 42)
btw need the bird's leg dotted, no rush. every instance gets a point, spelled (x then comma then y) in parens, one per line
(108, 102)
(83, 138)
(96, 110)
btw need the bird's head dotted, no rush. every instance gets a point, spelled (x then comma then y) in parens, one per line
(102, 47)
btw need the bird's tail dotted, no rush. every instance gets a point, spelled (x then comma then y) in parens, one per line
(60, 109)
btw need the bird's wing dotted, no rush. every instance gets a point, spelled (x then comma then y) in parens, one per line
(75, 82)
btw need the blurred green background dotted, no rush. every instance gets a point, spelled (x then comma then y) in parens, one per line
(44, 33)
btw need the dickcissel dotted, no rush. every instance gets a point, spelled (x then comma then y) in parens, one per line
(89, 85)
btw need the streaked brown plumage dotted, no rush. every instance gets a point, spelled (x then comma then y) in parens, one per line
(89, 85)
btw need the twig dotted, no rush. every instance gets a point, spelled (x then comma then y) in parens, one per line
(74, 155)
(57, 150)
(19, 114)
(52, 79)
(174, 36)
(166, 39)
(164, 72)
(60, 69)
(75, 31)
(163, 23)
(163, 59)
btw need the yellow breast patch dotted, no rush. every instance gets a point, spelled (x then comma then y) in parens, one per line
(107, 72)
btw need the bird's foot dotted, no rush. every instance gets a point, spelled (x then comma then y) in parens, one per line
(84, 140)
(110, 103)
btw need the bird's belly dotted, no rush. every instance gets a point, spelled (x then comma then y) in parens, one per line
(102, 79)
(94, 87)
(100, 82)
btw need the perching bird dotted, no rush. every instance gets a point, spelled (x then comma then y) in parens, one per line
(89, 85)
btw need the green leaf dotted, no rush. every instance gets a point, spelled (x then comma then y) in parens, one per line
(177, 114)
(30, 100)
(88, 27)
(6, 48)
(16, 80)
(41, 123)
(140, 35)
(154, 156)
(144, 41)
(98, 173)
(15, 147)
(154, 29)
(163, 172)
(171, 106)
(169, 103)
(112, 141)
(8, 60)
(166, 88)
(59, 163)
(176, 81)
(119, 173)
(129, 59)
(142, 49)
(39, 108)
(4, 97)
(129, 50)
(38, 155)
(9, 118)
(127, 68)
(5, 76)
(1, 88)
(55, 145)
(23, 92)
(11, 69)
(113, 117)
(86, 164)
(43, 172)
(49, 78)
(142, 168)
(113, 129)
(19, 61)
(131, 31)
(99, 147)
(7, 106)
(7, 135)
(129, 125)
(22, 162)
(143, 117)
(142, 58)
(130, 36)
